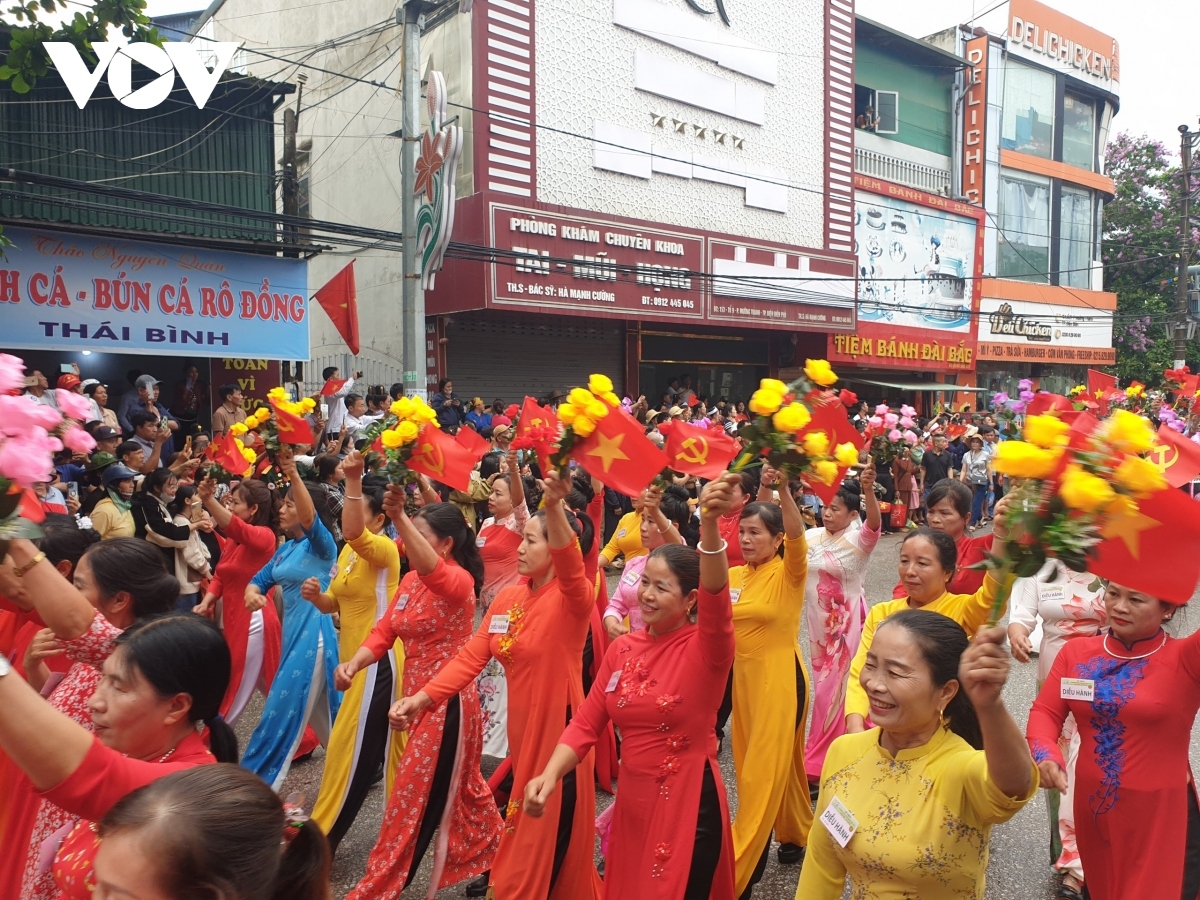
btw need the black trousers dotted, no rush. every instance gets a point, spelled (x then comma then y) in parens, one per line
(706, 853)
(440, 788)
(761, 866)
(370, 755)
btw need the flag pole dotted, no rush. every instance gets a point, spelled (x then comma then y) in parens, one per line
(412, 294)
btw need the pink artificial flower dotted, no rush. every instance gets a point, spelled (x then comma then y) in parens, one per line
(910, 436)
(875, 421)
(906, 410)
(882, 409)
(20, 414)
(30, 458)
(12, 373)
(75, 406)
(907, 422)
(75, 438)
(891, 419)
(894, 435)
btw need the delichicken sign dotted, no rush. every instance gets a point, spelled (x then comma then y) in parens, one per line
(1045, 36)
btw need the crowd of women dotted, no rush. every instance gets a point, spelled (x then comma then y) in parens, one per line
(387, 627)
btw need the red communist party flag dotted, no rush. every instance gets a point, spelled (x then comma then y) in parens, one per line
(437, 456)
(470, 440)
(535, 416)
(620, 455)
(1154, 549)
(332, 386)
(703, 452)
(339, 299)
(292, 429)
(1176, 456)
(830, 417)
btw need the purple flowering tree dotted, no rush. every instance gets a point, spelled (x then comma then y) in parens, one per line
(1140, 240)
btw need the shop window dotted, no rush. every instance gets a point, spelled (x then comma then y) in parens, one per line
(1028, 122)
(877, 111)
(1079, 132)
(1076, 239)
(1024, 226)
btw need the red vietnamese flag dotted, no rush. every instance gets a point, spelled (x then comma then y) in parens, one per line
(332, 386)
(437, 456)
(1100, 383)
(228, 456)
(620, 455)
(292, 429)
(703, 452)
(1176, 456)
(470, 440)
(339, 299)
(1153, 550)
(29, 507)
(830, 417)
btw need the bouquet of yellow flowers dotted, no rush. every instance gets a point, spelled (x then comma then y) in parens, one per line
(781, 433)
(395, 435)
(1072, 483)
(579, 414)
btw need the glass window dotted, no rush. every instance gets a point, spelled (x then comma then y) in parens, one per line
(1079, 132)
(1024, 239)
(1028, 124)
(1076, 238)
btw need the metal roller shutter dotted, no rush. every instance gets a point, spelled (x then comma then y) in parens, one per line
(509, 356)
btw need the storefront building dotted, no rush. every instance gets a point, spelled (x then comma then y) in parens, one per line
(1038, 105)
(663, 192)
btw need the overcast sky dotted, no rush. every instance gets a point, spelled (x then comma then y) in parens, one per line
(1160, 68)
(1160, 85)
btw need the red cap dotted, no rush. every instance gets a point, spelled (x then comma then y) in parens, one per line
(68, 382)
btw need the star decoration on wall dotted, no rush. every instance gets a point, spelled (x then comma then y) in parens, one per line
(739, 142)
(720, 136)
(680, 126)
(657, 121)
(701, 131)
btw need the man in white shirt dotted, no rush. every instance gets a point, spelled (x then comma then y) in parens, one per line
(357, 420)
(37, 388)
(337, 408)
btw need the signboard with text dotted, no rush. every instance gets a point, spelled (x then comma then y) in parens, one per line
(1049, 38)
(1020, 330)
(254, 376)
(72, 292)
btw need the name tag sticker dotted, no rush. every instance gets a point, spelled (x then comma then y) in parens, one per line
(612, 682)
(1078, 689)
(839, 822)
(498, 625)
(622, 533)
(1052, 593)
(480, 541)
(631, 578)
(735, 595)
(402, 601)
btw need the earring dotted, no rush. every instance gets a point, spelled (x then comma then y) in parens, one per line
(945, 723)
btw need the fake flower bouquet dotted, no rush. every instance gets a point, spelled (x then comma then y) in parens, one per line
(579, 414)
(30, 435)
(396, 434)
(779, 433)
(891, 433)
(1073, 484)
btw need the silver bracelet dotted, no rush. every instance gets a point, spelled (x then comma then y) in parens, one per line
(724, 546)
(348, 497)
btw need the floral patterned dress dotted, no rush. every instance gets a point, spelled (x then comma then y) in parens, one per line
(438, 784)
(835, 606)
(1071, 605)
(498, 542)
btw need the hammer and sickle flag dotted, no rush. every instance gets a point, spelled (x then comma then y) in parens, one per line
(702, 452)
(292, 429)
(437, 456)
(1177, 457)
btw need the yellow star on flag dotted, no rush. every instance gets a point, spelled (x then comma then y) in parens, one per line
(609, 450)
(1129, 529)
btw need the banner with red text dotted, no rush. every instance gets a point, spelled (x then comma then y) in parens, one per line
(61, 291)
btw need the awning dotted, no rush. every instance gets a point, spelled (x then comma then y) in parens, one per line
(919, 385)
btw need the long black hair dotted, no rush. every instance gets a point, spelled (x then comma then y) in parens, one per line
(447, 521)
(580, 522)
(942, 643)
(851, 496)
(182, 653)
(136, 567)
(63, 539)
(216, 831)
(675, 507)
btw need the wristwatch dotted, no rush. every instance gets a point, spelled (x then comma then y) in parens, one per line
(5, 665)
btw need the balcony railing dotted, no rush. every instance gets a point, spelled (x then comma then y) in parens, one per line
(931, 179)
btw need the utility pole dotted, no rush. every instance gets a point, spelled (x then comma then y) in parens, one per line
(411, 16)
(290, 187)
(1187, 138)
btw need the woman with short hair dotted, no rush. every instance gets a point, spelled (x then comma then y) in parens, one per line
(907, 808)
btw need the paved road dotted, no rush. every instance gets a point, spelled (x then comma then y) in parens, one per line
(1019, 864)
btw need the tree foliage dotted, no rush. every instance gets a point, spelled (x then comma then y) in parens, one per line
(31, 23)
(1140, 252)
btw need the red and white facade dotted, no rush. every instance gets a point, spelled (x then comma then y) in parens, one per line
(645, 168)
